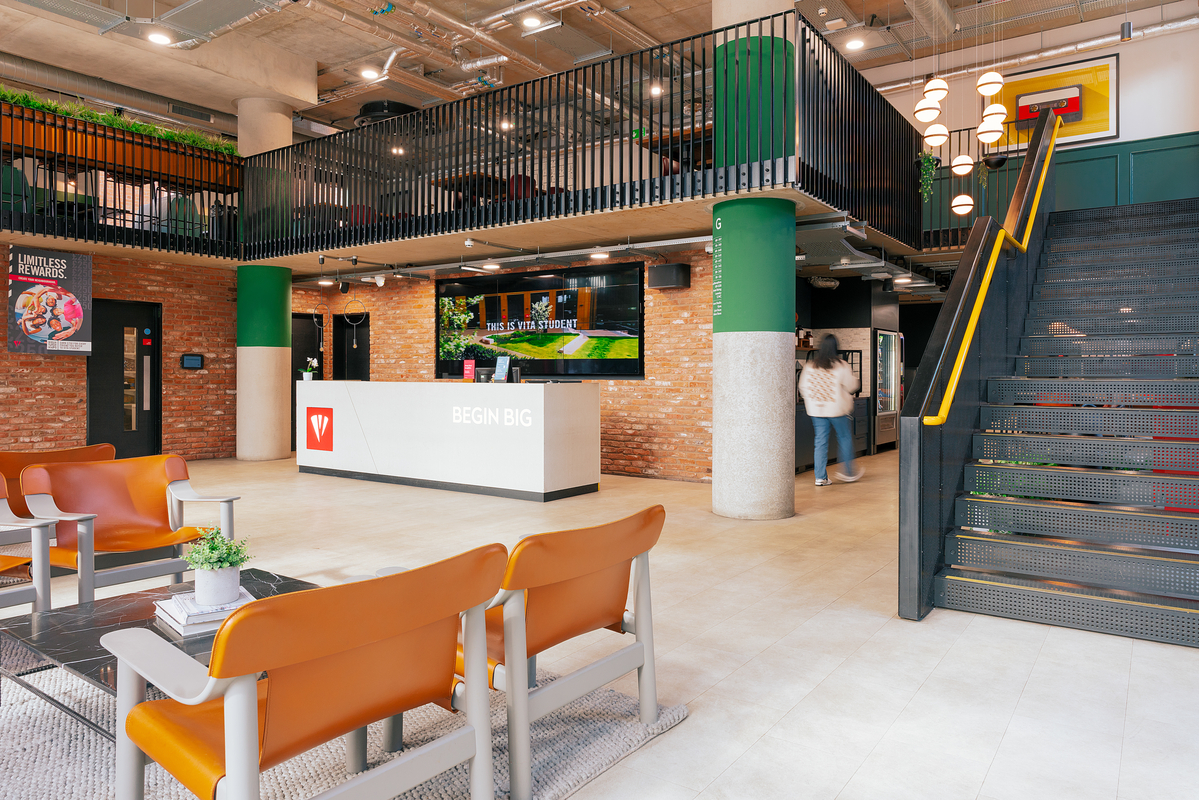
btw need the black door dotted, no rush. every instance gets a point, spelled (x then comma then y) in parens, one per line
(352, 347)
(305, 344)
(124, 377)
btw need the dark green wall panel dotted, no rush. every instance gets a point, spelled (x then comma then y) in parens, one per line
(1166, 173)
(1088, 182)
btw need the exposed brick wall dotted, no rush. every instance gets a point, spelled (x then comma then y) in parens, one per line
(43, 399)
(660, 427)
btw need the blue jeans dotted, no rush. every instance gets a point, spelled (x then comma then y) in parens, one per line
(844, 444)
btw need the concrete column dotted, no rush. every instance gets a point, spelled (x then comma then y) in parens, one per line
(263, 363)
(753, 358)
(262, 124)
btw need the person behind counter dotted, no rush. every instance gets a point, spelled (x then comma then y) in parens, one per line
(827, 385)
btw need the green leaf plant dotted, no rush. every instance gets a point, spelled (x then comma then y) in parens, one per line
(213, 551)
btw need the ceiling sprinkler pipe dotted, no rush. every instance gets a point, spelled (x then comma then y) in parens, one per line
(433, 53)
(192, 44)
(483, 63)
(1046, 54)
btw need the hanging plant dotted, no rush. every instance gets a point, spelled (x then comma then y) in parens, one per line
(982, 178)
(928, 170)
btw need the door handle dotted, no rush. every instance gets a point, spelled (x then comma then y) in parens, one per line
(145, 383)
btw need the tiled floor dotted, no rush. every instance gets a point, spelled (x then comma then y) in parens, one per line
(781, 638)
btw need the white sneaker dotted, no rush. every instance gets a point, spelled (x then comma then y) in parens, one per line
(823, 482)
(841, 476)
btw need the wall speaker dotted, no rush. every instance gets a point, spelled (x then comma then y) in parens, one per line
(669, 276)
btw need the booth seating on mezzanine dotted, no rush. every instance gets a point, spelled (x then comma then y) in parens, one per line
(331, 669)
(558, 586)
(123, 506)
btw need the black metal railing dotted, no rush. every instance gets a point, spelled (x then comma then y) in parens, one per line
(71, 179)
(933, 452)
(758, 105)
(990, 183)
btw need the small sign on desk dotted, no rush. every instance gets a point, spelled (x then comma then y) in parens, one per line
(501, 369)
(468, 370)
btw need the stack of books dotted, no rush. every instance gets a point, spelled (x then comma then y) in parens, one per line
(180, 615)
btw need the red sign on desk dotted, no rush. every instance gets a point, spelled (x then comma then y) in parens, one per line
(468, 370)
(320, 429)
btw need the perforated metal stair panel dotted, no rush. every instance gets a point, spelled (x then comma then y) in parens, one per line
(1118, 391)
(1088, 451)
(1090, 421)
(1094, 307)
(1088, 485)
(1112, 324)
(1117, 255)
(1169, 575)
(1168, 620)
(1108, 345)
(1152, 210)
(1108, 366)
(1162, 222)
(1145, 286)
(1089, 522)
(1108, 240)
(1147, 269)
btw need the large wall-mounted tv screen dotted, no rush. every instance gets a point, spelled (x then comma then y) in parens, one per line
(583, 322)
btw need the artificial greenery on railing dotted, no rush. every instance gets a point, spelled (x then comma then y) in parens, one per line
(206, 141)
(928, 170)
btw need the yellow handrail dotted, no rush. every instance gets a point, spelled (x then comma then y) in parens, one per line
(1001, 239)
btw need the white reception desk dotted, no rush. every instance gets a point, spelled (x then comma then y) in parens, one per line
(531, 441)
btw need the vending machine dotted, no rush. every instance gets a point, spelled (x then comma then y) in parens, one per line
(888, 386)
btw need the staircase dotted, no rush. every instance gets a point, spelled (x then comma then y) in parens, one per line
(1081, 503)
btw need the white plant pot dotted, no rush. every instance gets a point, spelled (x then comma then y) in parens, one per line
(217, 587)
(307, 375)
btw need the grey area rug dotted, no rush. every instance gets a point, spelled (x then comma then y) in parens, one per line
(45, 754)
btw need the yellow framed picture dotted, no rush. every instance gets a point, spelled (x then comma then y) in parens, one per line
(1084, 94)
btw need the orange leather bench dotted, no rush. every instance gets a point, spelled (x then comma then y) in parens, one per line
(336, 659)
(12, 464)
(118, 507)
(558, 586)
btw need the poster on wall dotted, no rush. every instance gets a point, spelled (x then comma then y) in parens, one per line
(49, 302)
(1084, 94)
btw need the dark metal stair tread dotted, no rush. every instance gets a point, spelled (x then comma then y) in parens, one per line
(1093, 471)
(1003, 579)
(1125, 212)
(1105, 548)
(1168, 235)
(1082, 437)
(1077, 505)
(1094, 380)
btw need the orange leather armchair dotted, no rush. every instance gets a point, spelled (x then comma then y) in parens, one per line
(117, 507)
(11, 465)
(34, 534)
(558, 586)
(336, 659)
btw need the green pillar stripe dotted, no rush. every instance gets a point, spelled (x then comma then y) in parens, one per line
(753, 265)
(263, 306)
(754, 106)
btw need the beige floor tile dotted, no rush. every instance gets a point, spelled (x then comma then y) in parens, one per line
(778, 677)
(903, 770)
(1159, 762)
(836, 631)
(622, 781)
(717, 731)
(1042, 760)
(776, 769)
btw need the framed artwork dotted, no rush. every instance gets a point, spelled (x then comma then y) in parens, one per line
(1085, 94)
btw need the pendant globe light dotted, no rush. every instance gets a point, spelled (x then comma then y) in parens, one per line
(936, 89)
(989, 83)
(936, 135)
(962, 204)
(989, 131)
(962, 165)
(927, 110)
(995, 111)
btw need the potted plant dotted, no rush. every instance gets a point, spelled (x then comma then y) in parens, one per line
(217, 562)
(307, 371)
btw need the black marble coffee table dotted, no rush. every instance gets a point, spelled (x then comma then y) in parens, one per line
(70, 637)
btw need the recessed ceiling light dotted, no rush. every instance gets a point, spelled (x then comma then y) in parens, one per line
(370, 74)
(600, 256)
(397, 151)
(491, 266)
(505, 124)
(854, 44)
(655, 90)
(159, 38)
(531, 21)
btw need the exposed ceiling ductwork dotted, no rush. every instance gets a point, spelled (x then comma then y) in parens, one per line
(1048, 53)
(934, 16)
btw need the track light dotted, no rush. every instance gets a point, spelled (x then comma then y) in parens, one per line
(1126, 31)
(320, 259)
(343, 287)
(380, 280)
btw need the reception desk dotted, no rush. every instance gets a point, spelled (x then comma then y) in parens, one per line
(531, 441)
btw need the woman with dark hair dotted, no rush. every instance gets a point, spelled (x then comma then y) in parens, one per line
(827, 385)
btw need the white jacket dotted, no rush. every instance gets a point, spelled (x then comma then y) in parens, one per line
(828, 392)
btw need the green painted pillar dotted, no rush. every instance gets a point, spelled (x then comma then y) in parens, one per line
(753, 358)
(754, 105)
(263, 363)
